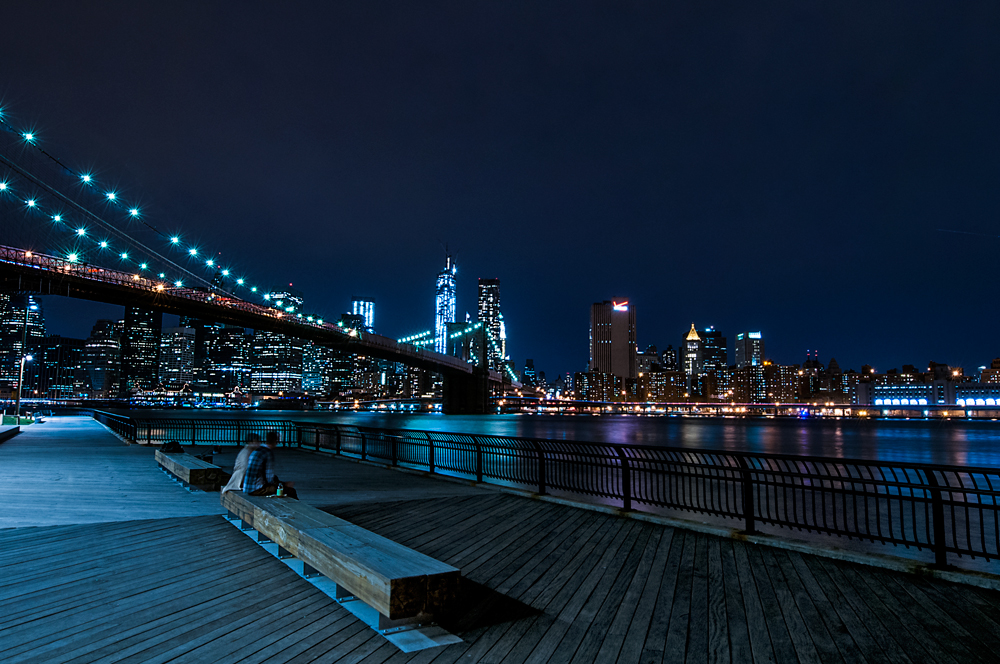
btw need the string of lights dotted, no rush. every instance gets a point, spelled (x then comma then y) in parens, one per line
(109, 239)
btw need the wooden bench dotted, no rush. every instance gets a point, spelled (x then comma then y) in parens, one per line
(403, 585)
(193, 471)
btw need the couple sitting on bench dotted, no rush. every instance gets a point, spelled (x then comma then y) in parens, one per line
(253, 471)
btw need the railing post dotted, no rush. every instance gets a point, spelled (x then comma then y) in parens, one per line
(338, 439)
(194, 428)
(940, 545)
(541, 467)
(364, 446)
(626, 473)
(149, 433)
(298, 434)
(746, 479)
(479, 460)
(430, 452)
(394, 447)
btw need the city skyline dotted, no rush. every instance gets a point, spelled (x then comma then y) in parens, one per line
(802, 187)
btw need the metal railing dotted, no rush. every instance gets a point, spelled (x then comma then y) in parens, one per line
(945, 509)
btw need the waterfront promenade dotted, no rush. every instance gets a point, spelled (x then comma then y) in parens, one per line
(106, 559)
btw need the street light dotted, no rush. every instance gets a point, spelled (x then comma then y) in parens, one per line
(20, 387)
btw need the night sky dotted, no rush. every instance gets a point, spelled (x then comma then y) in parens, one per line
(781, 166)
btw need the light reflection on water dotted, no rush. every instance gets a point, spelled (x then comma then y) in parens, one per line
(954, 442)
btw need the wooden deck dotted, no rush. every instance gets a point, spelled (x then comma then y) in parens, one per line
(544, 583)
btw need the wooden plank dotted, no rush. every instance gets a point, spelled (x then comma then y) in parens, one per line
(675, 646)
(736, 617)
(753, 610)
(776, 624)
(799, 634)
(654, 644)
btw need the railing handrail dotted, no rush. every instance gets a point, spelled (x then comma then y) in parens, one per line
(944, 508)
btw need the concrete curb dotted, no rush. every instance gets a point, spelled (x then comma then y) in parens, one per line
(881, 561)
(7, 434)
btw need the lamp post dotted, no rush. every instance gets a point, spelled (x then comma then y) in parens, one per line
(25, 357)
(20, 388)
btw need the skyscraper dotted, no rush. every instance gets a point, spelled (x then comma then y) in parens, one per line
(444, 304)
(177, 356)
(691, 356)
(612, 338)
(277, 363)
(749, 349)
(140, 344)
(492, 319)
(22, 330)
(60, 376)
(364, 307)
(101, 360)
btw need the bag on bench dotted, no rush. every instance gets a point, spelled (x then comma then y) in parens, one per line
(171, 447)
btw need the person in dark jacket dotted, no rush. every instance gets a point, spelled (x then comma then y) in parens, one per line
(260, 479)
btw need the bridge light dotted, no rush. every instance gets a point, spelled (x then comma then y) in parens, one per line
(29, 137)
(267, 297)
(210, 262)
(81, 231)
(111, 195)
(135, 277)
(86, 178)
(124, 255)
(178, 284)
(57, 217)
(159, 287)
(193, 252)
(134, 212)
(253, 290)
(162, 276)
(299, 315)
(30, 202)
(239, 281)
(174, 240)
(143, 266)
(309, 318)
(72, 258)
(3, 186)
(225, 273)
(104, 245)
(320, 321)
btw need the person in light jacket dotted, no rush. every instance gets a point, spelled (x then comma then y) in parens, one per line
(240, 467)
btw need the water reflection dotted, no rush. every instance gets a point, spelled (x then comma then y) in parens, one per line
(944, 442)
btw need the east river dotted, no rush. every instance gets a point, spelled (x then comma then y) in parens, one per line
(954, 442)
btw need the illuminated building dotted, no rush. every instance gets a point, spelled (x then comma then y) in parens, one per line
(749, 349)
(177, 356)
(364, 307)
(647, 360)
(665, 386)
(691, 355)
(228, 365)
(13, 312)
(597, 386)
(781, 382)
(140, 348)
(529, 377)
(101, 360)
(977, 394)
(490, 316)
(714, 374)
(277, 364)
(612, 338)
(60, 375)
(991, 375)
(749, 384)
(444, 304)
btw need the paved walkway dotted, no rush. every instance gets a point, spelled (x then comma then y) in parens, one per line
(544, 583)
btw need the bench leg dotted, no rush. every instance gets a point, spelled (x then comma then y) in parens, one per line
(342, 594)
(244, 525)
(386, 625)
(308, 571)
(284, 553)
(262, 538)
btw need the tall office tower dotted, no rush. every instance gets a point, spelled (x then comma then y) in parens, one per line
(101, 360)
(492, 319)
(612, 338)
(177, 356)
(277, 364)
(315, 369)
(529, 377)
(668, 360)
(140, 343)
(749, 349)
(714, 355)
(60, 375)
(691, 354)
(364, 307)
(22, 329)
(228, 359)
(444, 304)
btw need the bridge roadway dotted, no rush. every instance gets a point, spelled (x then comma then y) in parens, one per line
(466, 387)
(106, 559)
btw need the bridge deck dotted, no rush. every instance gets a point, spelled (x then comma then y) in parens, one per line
(546, 583)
